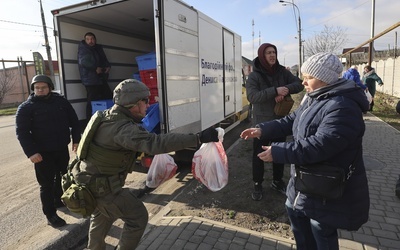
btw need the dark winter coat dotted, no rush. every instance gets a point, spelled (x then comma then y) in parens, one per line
(89, 58)
(45, 124)
(262, 94)
(370, 78)
(327, 127)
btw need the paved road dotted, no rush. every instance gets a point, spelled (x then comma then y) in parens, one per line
(19, 204)
(23, 226)
(381, 154)
(381, 146)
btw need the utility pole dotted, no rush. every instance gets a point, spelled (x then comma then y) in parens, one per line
(394, 60)
(252, 34)
(284, 3)
(395, 44)
(49, 59)
(371, 44)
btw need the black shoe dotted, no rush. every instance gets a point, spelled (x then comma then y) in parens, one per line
(143, 191)
(257, 194)
(55, 221)
(279, 186)
(398, 188)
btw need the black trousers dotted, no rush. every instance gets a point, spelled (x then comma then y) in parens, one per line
(258, 164)
(48, 175)
(371, 106)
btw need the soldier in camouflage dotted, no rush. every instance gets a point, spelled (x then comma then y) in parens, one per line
(108, 151)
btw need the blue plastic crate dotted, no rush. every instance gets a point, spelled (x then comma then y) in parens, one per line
(101, 105)
(151, 122)
(137, 76)
(147, 61)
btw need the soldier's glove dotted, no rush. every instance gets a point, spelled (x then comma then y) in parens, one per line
(208, 135)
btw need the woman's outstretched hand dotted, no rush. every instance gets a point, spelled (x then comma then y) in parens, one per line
(250, 133)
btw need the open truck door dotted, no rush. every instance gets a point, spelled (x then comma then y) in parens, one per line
(197, 60)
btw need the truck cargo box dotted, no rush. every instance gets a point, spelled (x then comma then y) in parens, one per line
(197, 61)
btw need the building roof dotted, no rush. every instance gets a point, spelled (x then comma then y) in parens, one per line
(247, 61)
(359, 50)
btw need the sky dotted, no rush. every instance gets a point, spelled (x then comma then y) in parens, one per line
(22, 31)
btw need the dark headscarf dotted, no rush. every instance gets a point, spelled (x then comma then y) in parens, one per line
(369, 68)
(270, 70)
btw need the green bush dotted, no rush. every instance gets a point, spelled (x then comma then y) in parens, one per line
(8, 111)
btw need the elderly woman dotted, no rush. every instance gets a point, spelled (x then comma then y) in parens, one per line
(327, 129)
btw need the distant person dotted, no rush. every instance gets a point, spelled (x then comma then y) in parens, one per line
(397, 188)
(328, 127)
(398, 107)
(267, 85)
(44, 125)
(370, 78)
(94, 69)
(118, 138)
(352, 74)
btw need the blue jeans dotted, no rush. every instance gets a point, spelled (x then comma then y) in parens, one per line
(310, 234)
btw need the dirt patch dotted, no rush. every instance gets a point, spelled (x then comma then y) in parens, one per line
(233, 204)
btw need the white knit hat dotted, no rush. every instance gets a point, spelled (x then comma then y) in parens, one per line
(323, 66)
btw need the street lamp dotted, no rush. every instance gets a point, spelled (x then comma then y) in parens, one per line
(284, 3)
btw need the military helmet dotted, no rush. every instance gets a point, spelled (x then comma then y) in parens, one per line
(130, 91)
(42, 78)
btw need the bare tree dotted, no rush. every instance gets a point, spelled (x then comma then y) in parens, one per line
(330, 39)
(6, 83)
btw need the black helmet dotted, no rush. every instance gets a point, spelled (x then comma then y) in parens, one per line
(42, 78)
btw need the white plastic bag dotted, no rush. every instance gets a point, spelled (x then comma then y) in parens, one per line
(369, 96)
(210, 164)
(162, 168)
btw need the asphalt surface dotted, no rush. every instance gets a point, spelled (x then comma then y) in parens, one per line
(381, 147)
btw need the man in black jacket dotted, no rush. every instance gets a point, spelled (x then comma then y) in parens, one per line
(93, 69)
(44, 125)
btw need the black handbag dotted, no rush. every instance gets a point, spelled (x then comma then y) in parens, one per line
(322, 180)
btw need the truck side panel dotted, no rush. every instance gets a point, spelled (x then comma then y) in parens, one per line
(218, 71)
(198, 61)
(181, 68)
(229, 72)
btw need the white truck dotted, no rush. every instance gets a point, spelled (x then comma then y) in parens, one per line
(198, 60)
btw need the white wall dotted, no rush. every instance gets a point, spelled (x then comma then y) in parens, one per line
(389, 71)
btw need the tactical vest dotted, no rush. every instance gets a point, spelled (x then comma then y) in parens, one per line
(108, 162)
